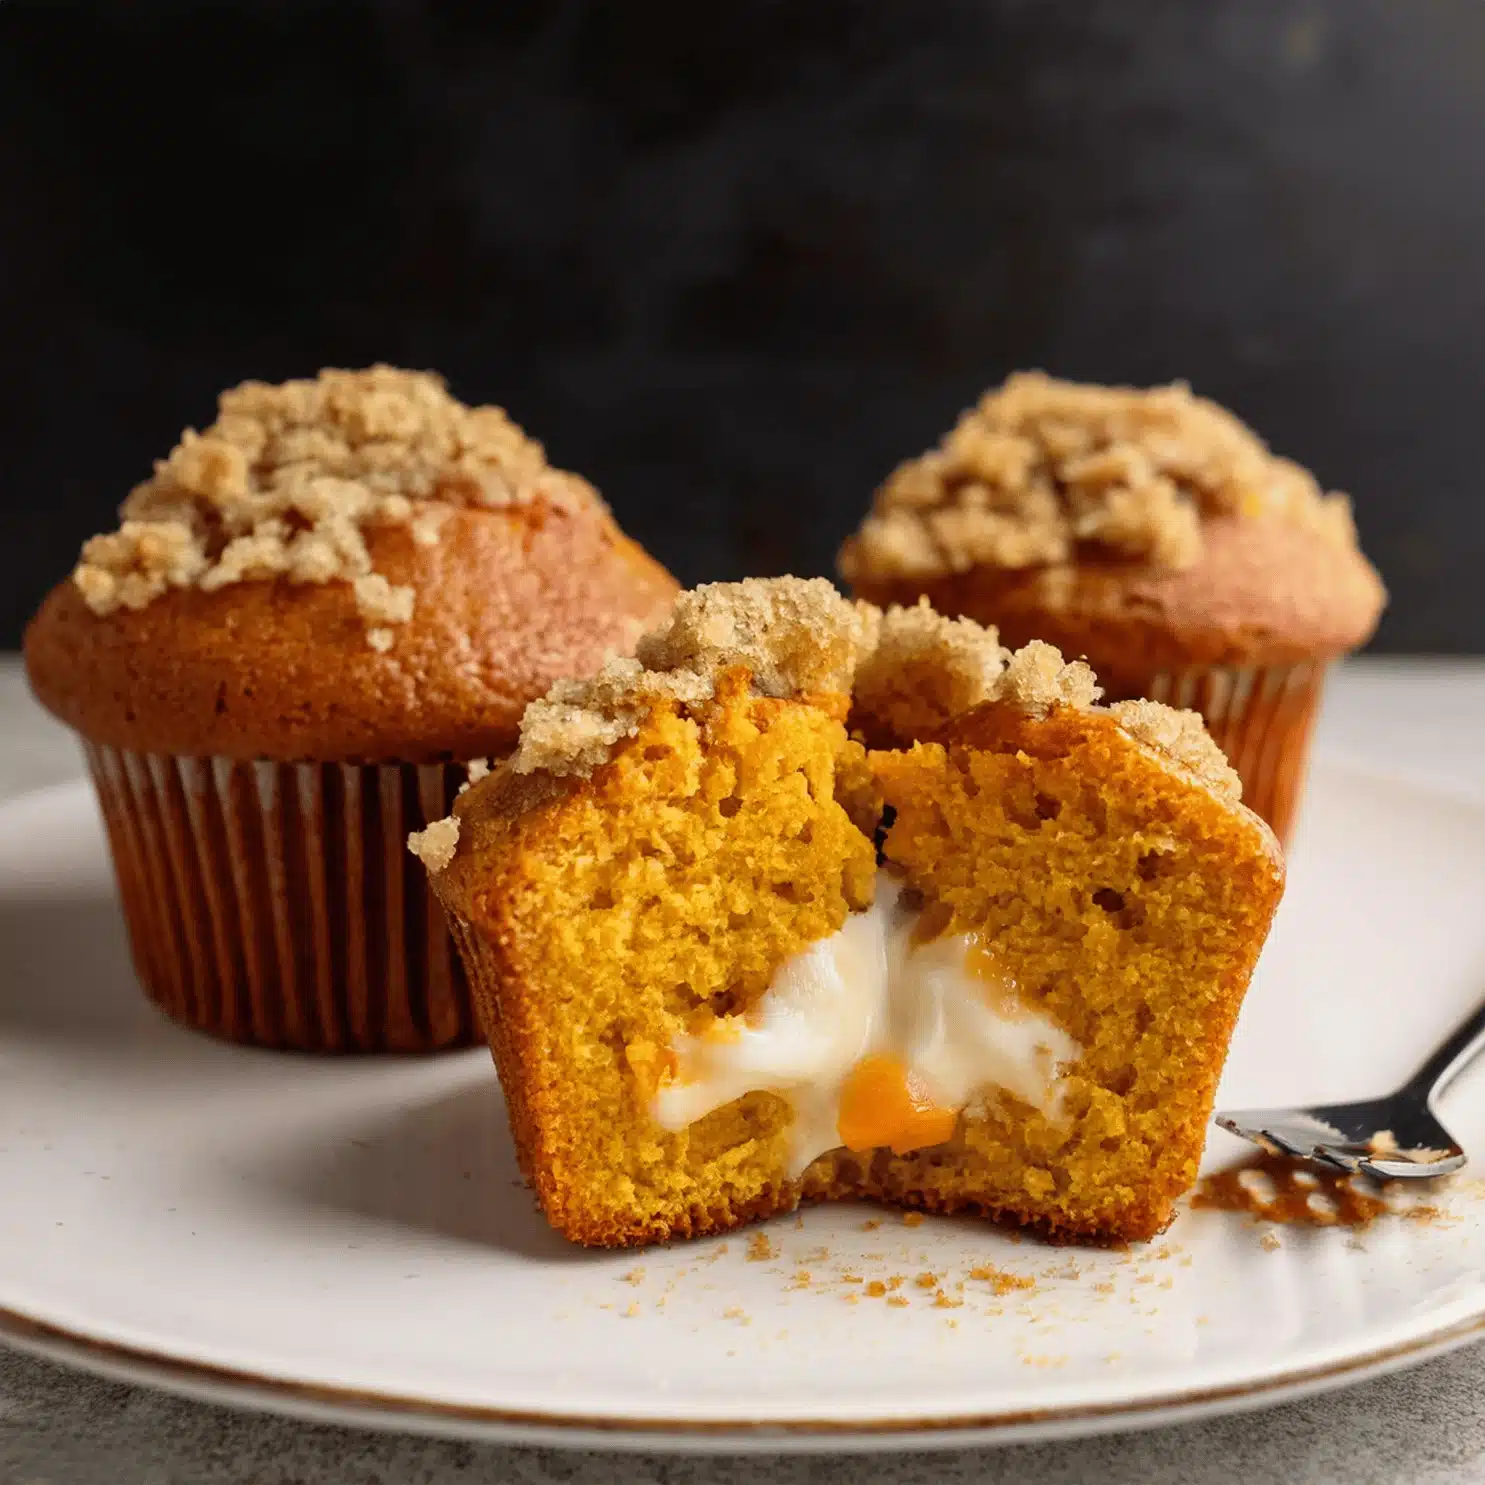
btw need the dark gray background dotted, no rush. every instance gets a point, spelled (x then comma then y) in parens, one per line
(733, 259)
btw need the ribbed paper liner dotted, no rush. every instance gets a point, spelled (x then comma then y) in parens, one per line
(1260, 716)
(277, 903)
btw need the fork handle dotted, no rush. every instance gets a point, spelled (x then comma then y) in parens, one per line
(1456, 1052)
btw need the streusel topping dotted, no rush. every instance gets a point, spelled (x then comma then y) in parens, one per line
(289, 478)
(1042, 469)
(797, 636)
(927, 669)
(436, 844)
(909, 670)
(1181, 737)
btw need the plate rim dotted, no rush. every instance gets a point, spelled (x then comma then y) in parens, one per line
(339, 1405)
(328, 1403)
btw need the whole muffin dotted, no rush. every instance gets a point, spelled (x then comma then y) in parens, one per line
(1152, 532)
(312, 622)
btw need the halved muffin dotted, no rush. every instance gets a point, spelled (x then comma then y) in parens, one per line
(707, 1000)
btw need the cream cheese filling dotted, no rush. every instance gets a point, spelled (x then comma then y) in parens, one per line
(937, 1010)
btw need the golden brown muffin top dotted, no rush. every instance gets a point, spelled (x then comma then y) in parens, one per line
(290, 478)
(1263, 593)
(509, 599)
(1042, 471)
(353, 568)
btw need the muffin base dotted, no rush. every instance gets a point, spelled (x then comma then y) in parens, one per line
(276, 904)
(1262, 717)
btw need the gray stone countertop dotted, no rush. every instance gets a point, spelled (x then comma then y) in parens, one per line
(1421, 1427)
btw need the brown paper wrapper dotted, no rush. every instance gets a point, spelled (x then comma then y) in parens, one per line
(277, 903)
(1262, 717)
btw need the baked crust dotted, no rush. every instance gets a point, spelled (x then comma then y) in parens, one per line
(509, 599)
(1262, 592)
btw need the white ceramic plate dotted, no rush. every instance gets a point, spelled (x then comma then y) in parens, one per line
(349, 1238)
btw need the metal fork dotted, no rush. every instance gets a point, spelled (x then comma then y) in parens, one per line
(1390, 1139)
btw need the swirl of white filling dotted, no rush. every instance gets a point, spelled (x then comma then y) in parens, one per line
(870, 989)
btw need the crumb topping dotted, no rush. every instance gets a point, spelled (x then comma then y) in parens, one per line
(909, 670)
(574, 728)
(1037, 678)
(926, 668)
(435, 846)
(1182, 737)
(475, 770)
(1041, 469)
(289, 478)
(797, 636)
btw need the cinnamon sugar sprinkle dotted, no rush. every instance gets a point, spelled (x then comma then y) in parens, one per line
(288, 480)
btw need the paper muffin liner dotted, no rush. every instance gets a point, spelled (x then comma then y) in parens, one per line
(277, 903)
(1260, 716)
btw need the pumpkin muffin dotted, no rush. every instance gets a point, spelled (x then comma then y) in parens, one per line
(1153, 533)
(709, 997)
(311, 620)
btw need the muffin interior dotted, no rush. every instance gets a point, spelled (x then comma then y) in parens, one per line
(1126, 902)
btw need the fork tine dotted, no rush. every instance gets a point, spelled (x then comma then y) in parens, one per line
(1383, 1138)
(1382, 1169)
(1273, 1138)
(1254, 1133)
